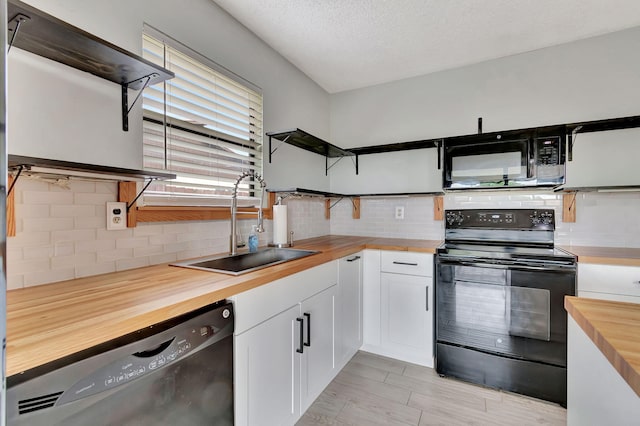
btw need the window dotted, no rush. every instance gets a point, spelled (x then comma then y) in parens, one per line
(202, 125)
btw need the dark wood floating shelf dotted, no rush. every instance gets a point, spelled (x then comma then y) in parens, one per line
(311, 192)
(16, 162)
(49, 37)
(306, 141)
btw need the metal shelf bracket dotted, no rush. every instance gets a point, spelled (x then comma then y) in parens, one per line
(126, 108)
(19, 19)
(572, 139)
(271, 151)
(327, 166)
(139, 194)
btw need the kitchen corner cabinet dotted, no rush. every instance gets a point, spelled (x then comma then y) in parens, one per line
(284, 346)
(399, 313)
(349, 308)
(609, 282)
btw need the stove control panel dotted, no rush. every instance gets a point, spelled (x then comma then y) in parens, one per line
(527, 219)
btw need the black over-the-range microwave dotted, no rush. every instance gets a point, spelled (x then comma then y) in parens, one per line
(530, 160)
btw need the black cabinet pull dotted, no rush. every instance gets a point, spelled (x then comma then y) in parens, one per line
(353, 259)
(308, 342)
(427, 299)
(404, 263)
(300, 349)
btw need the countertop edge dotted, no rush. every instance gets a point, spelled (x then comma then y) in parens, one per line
(627, 371)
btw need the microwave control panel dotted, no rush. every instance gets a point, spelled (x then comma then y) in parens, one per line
(548, 151)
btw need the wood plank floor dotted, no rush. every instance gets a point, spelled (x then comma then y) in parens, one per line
(374, 390)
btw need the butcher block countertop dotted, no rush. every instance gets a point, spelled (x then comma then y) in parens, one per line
(606, 255)
(49, 322)
(614, 327)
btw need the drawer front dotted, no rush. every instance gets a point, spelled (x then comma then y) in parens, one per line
(408, 263)
(612, 279)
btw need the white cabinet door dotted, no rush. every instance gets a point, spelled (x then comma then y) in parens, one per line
(371, 300)
(406, 317)
(610, 282)
(350, 308)
(266, 372)
(318, 357)
(597, 160)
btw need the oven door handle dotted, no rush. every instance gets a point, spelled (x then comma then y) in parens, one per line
(511, 265)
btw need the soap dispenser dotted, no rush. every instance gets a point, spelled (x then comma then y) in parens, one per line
(253, 240)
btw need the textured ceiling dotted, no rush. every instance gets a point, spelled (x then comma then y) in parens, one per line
(348, 44)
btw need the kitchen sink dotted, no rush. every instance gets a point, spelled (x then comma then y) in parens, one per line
(246, 262)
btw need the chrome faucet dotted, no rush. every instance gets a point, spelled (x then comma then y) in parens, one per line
(233, 249)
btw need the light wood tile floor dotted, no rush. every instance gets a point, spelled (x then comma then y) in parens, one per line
(374, 390)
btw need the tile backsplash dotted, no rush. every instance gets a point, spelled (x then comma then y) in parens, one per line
(61, 233)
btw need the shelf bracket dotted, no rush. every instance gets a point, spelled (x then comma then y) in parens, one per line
(357, 167)
(334, 204)
(19, 19)
(271, 151)
(15, 179)
(439, 145)
(126, 108)
(138, 196)
(572, 139)
(327, 166)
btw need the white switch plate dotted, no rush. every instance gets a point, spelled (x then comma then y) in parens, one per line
(399, 212)
(116, 215)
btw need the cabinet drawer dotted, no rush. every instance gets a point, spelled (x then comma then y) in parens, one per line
(409, 263)
(612, 279)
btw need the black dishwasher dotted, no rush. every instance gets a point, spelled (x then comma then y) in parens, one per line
(178, 372)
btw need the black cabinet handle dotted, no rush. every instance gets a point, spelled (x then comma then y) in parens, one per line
(308, 342)
(353, 259)
(427, 298)
(300, 349)
(404, 263)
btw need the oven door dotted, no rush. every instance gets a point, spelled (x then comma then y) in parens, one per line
(511, 310)
(488, 164)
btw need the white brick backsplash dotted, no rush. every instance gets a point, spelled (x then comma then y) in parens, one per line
(131, 263)
(92, 198)
(46, 277)
(73, 235)
(61, 232)
(61, 262)
(89, 222)
(163, 258)
(94, 246)
(95, 269)
(145, 229)
(138, 242)
(73, 211)
(111, 255)
(41, 197)
(29, 240)
(46, 224)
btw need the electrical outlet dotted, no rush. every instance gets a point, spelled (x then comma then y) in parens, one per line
(116, 216)
(399, 212)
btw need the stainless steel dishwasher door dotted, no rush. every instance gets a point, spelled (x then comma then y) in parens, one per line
(179, 372)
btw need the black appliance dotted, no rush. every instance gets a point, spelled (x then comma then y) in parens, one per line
(178, 372)
(500, 288)
(492, 162)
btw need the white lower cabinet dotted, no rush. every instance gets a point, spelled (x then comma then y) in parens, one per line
(266, 371)
(596, 393)
(349, 331)
(398, 298)
(286, 344)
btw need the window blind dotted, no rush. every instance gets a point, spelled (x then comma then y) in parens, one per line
(201, 125)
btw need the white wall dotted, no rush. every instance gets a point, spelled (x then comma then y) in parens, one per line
(590, 79)
(61, 113)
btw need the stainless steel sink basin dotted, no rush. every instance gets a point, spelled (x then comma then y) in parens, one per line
(247, 262)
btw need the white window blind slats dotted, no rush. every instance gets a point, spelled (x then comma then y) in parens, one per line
(213, 131)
